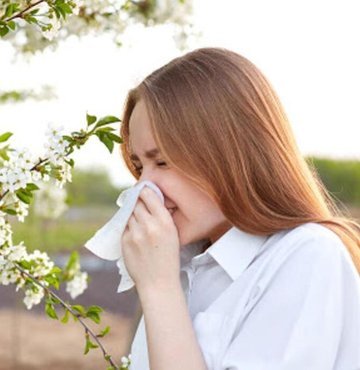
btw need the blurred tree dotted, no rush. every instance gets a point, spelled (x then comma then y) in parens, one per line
(46, 92)
(341, 178)
(31, 20)
(34, 26)
(91, 187)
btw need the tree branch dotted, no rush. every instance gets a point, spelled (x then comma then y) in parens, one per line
(20, 14)
(68, 307)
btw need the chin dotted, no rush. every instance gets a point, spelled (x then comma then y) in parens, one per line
(185, 240)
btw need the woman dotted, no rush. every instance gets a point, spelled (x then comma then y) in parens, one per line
(248, 264)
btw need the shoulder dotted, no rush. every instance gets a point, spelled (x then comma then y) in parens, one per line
(305, 251)
(309, 239)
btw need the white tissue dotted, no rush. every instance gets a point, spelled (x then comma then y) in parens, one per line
(106, 243)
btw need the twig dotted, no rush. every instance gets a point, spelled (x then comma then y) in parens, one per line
(65, 305)
(20, 14)
(41, 161)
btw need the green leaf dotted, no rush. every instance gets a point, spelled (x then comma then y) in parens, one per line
(50, 311)
(4, 30)
(93, 313)
(104, 332)
(5, 137)
(72, 263)
(66, 8)
(26, 192)
(115, 138)
(62, 9)
(106, 129)
(35, 11)
(12, 25)
(70, 162)
(60, 12)
(54, 300)
(31, 187)
(25, 264)
(10, 10)
(23, 196)
(80, 309)
(95, 309)
(65, 319)
(68, 138)
(3, 153)
(105, 140)
(94, 317)
(89, 344)
(55, 270)
(107, 120)
(9, 211)
(90, 119)
(28, 18)
(52, 280)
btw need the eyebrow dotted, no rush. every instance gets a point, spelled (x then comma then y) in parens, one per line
(152, 153)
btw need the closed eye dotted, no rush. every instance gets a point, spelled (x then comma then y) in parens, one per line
(139, 169)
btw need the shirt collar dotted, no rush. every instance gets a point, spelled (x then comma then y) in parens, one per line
(233, 251)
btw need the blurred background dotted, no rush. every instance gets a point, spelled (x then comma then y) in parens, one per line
(308, 50)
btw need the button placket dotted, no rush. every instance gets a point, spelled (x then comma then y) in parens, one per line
(190, 273)
(191, 270)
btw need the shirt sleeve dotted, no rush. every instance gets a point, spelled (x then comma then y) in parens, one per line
(306, 315)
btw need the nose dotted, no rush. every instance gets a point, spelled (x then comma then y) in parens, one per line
(146, 178)
(147, 174)
(150, 176)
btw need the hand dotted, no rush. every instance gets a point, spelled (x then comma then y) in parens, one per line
(150, 244)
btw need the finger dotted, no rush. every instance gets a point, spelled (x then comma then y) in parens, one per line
(141, 213)
(132, 223)
(152, 202)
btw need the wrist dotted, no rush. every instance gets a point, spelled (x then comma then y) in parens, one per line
(150, 294)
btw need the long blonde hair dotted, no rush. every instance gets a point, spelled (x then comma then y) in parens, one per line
(217, 120)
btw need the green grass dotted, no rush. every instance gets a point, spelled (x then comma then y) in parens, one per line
(62, 234)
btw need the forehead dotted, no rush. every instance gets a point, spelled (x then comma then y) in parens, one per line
(141, 140)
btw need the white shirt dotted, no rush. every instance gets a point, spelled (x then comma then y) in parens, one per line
(290, 301)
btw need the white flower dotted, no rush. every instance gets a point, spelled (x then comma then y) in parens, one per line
(33, 297)
(13, 178)
(8, 273)
(43, 264)
(56, 146)
(64, 174)
(23, 158)
(16, 252)
(76, 6)
(5, 232)
(53, 28)
(22, 210)
(125, 361)
(54, 131)
(15, 173)
(3, 262)
(46, 177)
(36, 176)
(77, 285)
(20, 282)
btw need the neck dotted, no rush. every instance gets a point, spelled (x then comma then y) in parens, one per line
(217, 232)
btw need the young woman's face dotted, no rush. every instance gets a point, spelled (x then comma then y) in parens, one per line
(194, 213)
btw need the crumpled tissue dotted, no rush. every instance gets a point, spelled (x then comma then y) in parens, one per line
(106, 243)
